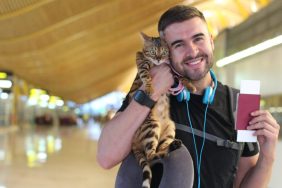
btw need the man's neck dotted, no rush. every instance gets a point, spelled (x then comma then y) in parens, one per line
(202, 84)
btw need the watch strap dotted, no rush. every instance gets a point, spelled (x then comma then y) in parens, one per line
(142, 98)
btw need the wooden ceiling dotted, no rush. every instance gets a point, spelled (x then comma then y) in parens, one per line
(80, 50)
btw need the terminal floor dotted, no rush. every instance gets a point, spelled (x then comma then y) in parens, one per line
(63, 157)
(69, 160)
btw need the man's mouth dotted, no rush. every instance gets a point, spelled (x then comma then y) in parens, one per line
(194, 61)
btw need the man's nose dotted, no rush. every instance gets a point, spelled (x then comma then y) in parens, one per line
(192, 50)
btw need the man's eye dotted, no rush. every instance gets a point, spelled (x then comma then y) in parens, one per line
(199, 39)
(177, 45)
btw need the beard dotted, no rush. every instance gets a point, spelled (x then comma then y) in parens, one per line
(195, 75)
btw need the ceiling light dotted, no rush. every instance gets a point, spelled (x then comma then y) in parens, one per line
(32, 101)
(5, 83)
(37, 92)
(51, 106)
(59, 102)
(254, 6)
(208, 14)
(250, 51)
(3, 75)
(4, 96)
(44, 97)
(2, 155)
(219, 1)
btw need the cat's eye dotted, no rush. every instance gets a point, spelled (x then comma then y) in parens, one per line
(153, 51)
(165, 52)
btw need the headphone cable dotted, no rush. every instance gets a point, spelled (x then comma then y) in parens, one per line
(198, 157)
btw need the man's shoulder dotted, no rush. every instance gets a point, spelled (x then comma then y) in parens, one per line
(222, 86)
(226, 90)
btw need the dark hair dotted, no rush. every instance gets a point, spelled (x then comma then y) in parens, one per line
(178, 13)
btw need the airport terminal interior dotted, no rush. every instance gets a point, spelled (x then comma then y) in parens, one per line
(67, 65)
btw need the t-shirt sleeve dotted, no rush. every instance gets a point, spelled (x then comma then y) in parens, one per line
(250, 149)
(124, 103)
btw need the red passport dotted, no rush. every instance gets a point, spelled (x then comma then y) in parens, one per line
(247, 103)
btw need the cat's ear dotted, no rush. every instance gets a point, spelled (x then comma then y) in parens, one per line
(144, 36)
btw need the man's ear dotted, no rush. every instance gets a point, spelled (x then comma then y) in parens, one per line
(162, 35)
(211, 41)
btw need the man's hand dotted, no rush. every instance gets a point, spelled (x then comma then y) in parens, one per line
(162, 80)
(267, 130)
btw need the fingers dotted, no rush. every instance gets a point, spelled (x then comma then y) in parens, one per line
(162, 73)
(264, 132)
(264, 124)
(162, 79)
(263, 116)
(160, 68)
(262, 127)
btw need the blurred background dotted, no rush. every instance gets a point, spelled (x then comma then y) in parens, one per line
(66, 66)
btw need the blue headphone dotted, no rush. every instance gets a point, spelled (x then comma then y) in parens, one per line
(208, 93)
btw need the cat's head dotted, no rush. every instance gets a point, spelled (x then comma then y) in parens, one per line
(155, 49)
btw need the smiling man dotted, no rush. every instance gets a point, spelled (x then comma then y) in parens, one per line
(191, 48)
(204, 120)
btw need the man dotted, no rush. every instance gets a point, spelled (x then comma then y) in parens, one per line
(191, 47)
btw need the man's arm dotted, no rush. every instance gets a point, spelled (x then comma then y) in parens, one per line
(115, 141)
(256, 171)
(245, 164)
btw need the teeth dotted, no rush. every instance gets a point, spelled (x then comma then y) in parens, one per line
(195, 61)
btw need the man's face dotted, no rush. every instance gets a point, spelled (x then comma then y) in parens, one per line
(191, 47)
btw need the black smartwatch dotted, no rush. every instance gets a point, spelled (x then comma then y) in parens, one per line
(142, 98)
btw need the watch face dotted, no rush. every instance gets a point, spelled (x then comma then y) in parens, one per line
(139, 96)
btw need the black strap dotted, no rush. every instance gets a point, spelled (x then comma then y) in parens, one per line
(210, 137)
(232, 93)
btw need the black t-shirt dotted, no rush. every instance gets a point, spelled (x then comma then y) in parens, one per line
(218, 164)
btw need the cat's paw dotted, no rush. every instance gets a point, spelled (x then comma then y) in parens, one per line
(150, 155)
(161, 155)
(148, 89)
(175, 145)
(188, 84)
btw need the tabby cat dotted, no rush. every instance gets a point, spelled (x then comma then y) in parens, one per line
(155, 137)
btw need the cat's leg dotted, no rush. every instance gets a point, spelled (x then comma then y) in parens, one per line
(144, 67)
(150, 138)
(147, 80)
(135, 86)
(167, 141)
(175, 144)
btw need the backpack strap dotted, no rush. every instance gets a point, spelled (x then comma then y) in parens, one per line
(219, 141)
(232, 94)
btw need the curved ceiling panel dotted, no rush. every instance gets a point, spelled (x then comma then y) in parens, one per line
(80, 50)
